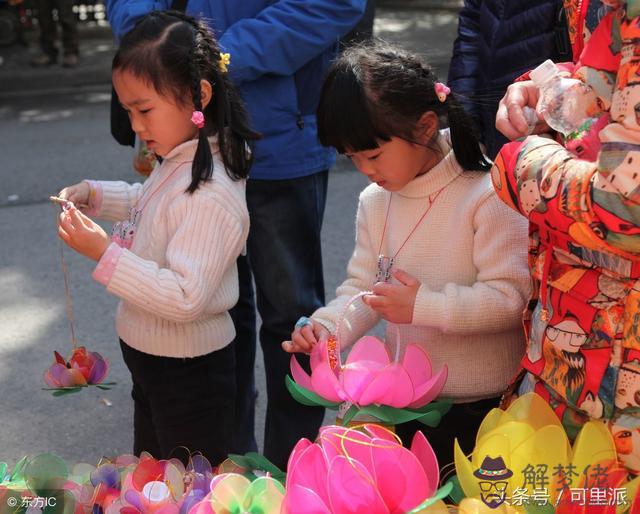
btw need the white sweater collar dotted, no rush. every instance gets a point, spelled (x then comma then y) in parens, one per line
(186, 151)
(446, 171)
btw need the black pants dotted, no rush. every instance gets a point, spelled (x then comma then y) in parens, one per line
(285, 260)
(48, 27)
(183, 405)
(461, 422)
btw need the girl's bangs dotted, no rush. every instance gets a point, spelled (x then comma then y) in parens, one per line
(344, 115)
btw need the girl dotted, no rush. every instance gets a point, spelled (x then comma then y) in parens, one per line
(172, 255)
(446, 261)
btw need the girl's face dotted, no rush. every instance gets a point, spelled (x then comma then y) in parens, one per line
(156, 119)
(394, 163)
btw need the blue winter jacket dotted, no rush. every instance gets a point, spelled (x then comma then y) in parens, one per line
(280, 51)
(499, 40)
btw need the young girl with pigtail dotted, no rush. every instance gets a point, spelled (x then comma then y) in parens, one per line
(444, 259)
(172, 256)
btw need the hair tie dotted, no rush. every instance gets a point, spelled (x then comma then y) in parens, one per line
(225, 60)
(197, 118)
(442, 91)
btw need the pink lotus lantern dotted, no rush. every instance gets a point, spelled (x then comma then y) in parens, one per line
(370, 383)
(367, 471)
(83, 369)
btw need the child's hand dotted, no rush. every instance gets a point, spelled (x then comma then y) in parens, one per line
(394, 302)
(78, 193)
(304, 337)
(82, 234)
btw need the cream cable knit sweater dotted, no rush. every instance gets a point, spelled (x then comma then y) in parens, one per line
(469, 253)
(179, 279)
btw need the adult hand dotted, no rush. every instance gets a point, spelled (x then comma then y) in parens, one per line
(510, 118)
(395, 302)
(78, 193)
(82, 234)
(304, 338)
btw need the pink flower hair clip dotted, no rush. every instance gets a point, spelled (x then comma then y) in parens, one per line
(197, 118)
(442, 91)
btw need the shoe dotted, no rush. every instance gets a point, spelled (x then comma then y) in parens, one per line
(42, 60)
(70, 60)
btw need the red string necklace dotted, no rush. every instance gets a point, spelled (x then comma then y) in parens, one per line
(385, 263)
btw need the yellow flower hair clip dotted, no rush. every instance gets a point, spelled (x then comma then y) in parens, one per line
(225, 60)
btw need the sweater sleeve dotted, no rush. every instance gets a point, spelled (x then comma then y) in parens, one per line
(361, 272)
(116, 198)
(206, 243)
(494, 303)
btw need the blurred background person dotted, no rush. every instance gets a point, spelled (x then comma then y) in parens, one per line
(66, 18)
(499, 40)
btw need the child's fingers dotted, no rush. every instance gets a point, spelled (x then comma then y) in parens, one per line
(65, 221)
(374, 301)
(62, 234)
(288, 347)
(383, 289)
(78, 219)
(308, 334)
(301, 342)
(297, 345)
(405, 278)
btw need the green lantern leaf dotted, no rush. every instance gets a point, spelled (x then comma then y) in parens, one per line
(456, 494)
(350, 414)
(18, 470)
(65, 391)
(441, 493)
(255, 461)
(306, 397)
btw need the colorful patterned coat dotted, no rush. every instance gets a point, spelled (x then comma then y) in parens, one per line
(583, 325)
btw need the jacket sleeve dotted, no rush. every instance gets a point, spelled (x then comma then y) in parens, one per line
(597, 204)
(360, 272)
(286, 35)
(502, 284)
(123, 14)
(463, 68)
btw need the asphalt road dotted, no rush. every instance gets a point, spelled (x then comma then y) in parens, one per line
(52, 136)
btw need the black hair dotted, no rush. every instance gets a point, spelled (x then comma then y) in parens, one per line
(376, 91)
(174, 52)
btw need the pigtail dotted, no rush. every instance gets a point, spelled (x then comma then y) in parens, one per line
(225, 115)
(235, 136)
(202, 166)
(464, 141)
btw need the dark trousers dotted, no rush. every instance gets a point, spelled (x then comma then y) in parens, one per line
(285, 261)
(461, 422)
(183, 406)
(48, 27)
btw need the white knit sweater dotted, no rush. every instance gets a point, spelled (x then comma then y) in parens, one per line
(470, 255)
(179, 279)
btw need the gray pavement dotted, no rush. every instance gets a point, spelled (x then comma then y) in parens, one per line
(54, 129)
